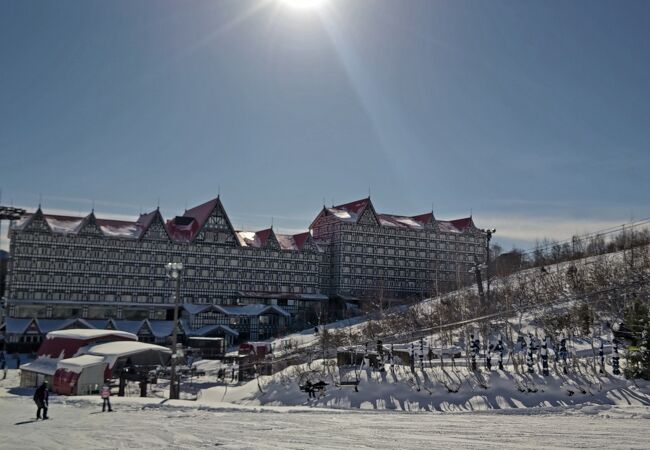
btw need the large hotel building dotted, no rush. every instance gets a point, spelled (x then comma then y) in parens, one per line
(91, 272)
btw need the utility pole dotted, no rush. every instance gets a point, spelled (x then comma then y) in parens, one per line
(174, 271)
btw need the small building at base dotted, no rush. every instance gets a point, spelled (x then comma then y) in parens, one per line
(81, 375)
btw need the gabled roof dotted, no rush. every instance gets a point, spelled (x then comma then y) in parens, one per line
(89, 224)
(162, 328)
(145, 221)
(17, 326)
(52, 325)
(247, 310)
(347, 212)
(456, 226)
(251, 310)
(64, 224)
(352, 212)
(31, 218)
(301, 238)
(462, 224)
(264, 236)
(207, 329)
(202, 212)
(182, 228)
(355, 207)
(260, 239)
(398, 221)
(119, 228)
(425, 218)
(130, 326)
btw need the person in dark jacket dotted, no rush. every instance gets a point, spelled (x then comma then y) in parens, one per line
(41, 398)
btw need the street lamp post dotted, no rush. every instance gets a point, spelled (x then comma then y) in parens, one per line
(174, 271)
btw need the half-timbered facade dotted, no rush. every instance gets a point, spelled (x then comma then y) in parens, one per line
(66, 267)
(395, 256)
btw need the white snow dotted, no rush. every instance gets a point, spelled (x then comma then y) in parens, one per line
(343, 214)
(249, 238)
(63, 226)
(124, 348)
(130, 231)
(286, 242)
(447, 227)
(78, 363)
(180, 424)
(90, 333)
(44, 365)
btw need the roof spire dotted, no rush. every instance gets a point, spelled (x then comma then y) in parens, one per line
(368, 191)
(40, 200)
(271, 222)
(218, 191)
(93, 207)
(158, 203)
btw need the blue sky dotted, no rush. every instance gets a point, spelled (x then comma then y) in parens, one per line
(535, 116)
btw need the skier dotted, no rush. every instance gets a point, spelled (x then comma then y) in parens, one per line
(41, 398)
(309, 388)
(499, 349)
(106, 396)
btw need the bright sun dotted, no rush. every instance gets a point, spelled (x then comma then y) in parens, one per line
(304, 4)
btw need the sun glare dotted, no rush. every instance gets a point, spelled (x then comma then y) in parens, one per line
(304, 4)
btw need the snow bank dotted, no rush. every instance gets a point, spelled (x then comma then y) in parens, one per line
(432, 390)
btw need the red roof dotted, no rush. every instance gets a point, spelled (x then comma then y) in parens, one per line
(145, 220)
(300, 239)
(113, 223)
(423, 218)
(263, 235)
(202, 212)
(182, 228)
(356, 207)
(462, 224)
(187, 226)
